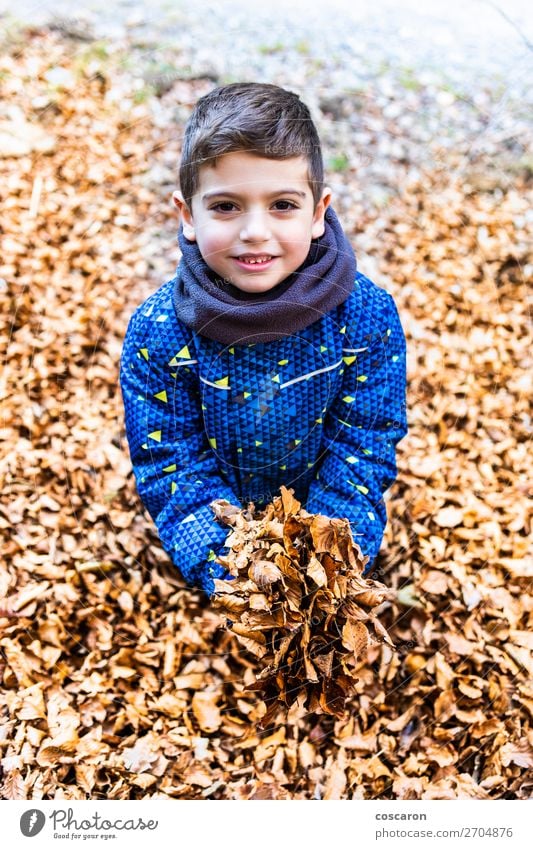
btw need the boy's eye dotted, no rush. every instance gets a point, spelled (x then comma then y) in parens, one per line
(229, 206)
(223, 206)
(283, 205)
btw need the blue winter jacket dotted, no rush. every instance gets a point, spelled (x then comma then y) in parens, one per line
(320, 411)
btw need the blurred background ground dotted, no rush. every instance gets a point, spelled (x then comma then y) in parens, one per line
(117, 681)
(482, 36)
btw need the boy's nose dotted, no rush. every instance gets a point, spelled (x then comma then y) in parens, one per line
(255, 227)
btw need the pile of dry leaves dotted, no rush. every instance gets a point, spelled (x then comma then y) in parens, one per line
(117, 680)
(299, 602)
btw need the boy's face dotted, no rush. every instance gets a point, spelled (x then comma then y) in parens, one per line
(253, 218)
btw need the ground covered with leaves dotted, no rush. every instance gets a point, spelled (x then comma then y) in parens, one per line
(117, 680)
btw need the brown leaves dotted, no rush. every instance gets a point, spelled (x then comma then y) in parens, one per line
(116, 680)
(303, 607)
(449, 517)
(206, 711)
(264, 574)
(520, 753)
(356, 638)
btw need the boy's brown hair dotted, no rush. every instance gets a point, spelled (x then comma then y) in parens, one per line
(256, 117)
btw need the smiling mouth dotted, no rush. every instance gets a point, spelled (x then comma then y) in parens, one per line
(259, 259)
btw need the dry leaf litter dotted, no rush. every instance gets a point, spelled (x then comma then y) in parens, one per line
(119, 682)
(299, 602)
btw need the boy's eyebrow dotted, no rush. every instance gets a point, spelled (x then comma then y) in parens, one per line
(209, 195)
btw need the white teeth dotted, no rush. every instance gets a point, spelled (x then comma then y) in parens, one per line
(256, 260)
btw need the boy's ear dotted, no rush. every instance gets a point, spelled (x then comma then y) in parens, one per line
(185, 216)
(318, 226)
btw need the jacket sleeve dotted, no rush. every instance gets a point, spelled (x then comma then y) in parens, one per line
(175, 468)
(364, 424)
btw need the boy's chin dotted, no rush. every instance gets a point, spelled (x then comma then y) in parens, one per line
(255, 287)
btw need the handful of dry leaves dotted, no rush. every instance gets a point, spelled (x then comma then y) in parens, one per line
(298, 601)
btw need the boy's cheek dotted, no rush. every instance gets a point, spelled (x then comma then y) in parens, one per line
(212, 239)
(214, 251)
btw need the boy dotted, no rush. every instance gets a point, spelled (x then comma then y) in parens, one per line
(268, 359)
